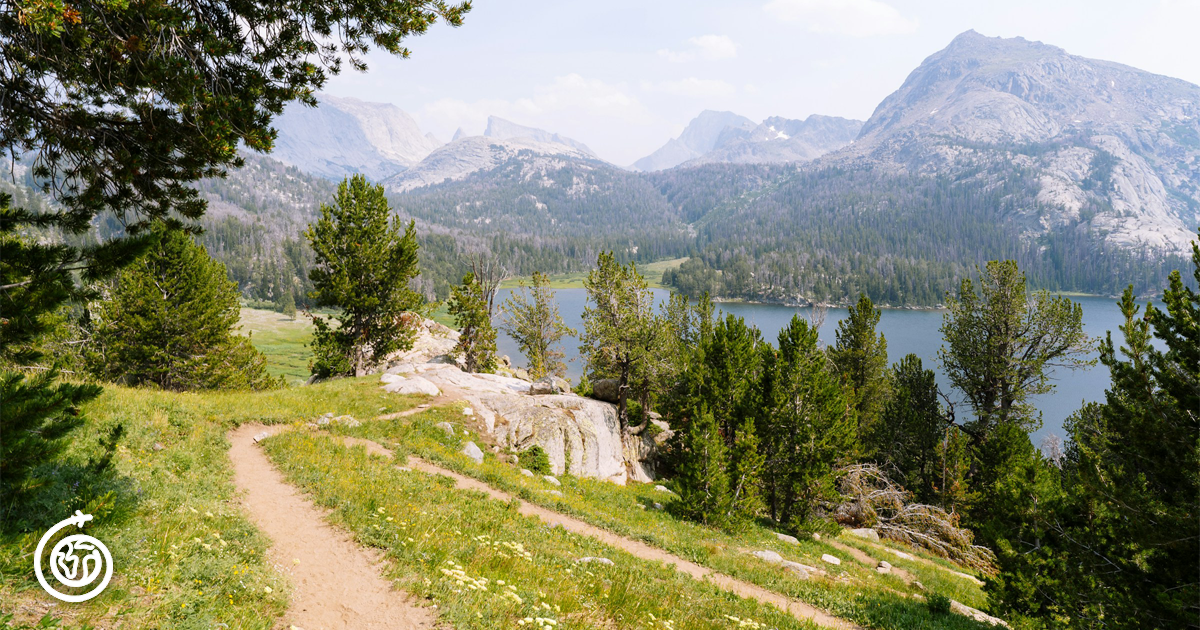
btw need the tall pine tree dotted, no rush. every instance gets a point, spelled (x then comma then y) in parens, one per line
(476, 336)
(861, 356)
(169, 321)
(364, 263)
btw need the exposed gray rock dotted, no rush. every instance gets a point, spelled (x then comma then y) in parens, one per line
(977, 615)
(883, 567)
(261, 436)
(556, 493)
(542, 387)
(526, 472)
(834, 560)
(591, 560)
(347, 421)
(865, 532)
(900, 554)
(551, 480)
(447, 427)
(664, 489)
(799, 570)
(787, 539)
(471, 450)
(606, 389)
(658, 506)
(768, 556)
(411, 385)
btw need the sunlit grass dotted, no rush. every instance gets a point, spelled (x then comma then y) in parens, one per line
(852, 591)
(184, 554)
(486, 566)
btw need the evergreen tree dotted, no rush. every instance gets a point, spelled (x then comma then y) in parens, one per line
(112, 121)
(621, 334)
(721, 374)
(287, 303)
(169, 321)
(908, 439)
(703, 478)
(531, 318)
(861, 357)
(363, 266)
(477, 338)
(1109, 540)
(1000, 341)
(807, 423)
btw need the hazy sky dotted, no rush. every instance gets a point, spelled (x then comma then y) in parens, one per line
(624, 76)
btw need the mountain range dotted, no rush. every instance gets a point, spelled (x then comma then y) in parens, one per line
(1087, 172)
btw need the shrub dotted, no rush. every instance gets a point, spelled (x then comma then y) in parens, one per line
(535, 459)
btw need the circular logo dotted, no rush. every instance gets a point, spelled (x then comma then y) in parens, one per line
(75, 561)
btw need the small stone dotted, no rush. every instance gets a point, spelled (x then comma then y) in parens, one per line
(322, 421)
(919, 585)
(467, 411)
(659, 506)
(865, 532)
(261, 436)
(423, 406)
(552, 480)
(347, 421)
(556, 493)
(591, 560)
(158, 446)
(816, 536)
(900, 554)
(311, 425)
(403, 469)
(831, 559)
(526, 472)
(795, 568)
(663, 489)
(768, 556)
(787, 539)
(884, 564)
(471, 450)
(447, 427)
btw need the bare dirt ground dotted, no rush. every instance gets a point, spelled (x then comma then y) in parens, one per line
(336, 583)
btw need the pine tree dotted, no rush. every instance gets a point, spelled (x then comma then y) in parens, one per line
(861, 357)
(169, 321)
(477, 338)
(621, 334)
(363, 265)
(287, 302)
(703, 478)
(531, 318)
(907, 439)
(1000, 341)
(808, 423)
(1109, 540)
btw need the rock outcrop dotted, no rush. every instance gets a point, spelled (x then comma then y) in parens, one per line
(580, 436)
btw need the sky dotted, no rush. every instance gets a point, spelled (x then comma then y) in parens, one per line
(626, 76)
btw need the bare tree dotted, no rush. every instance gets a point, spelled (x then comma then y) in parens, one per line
(489, 273)
(1052, 449)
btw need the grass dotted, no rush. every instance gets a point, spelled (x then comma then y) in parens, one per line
(284, 341)
(185, 556)
(854, 592)
(652, 272)
(486, 566)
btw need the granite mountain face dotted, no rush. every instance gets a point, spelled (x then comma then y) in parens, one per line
(991, 148)
(1105, 147)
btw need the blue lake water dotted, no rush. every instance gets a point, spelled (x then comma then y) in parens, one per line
(907, 331)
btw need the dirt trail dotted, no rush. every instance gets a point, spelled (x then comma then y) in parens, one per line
(744, 589)
(336, 583)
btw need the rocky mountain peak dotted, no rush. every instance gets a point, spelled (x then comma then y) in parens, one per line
(502, 129)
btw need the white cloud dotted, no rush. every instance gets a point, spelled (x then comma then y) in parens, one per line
(692, 87)
(707, 47)
(857, 18)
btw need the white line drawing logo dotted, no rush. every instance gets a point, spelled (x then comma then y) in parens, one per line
(75, 561)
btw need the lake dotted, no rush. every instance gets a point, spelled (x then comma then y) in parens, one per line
(907, 331)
